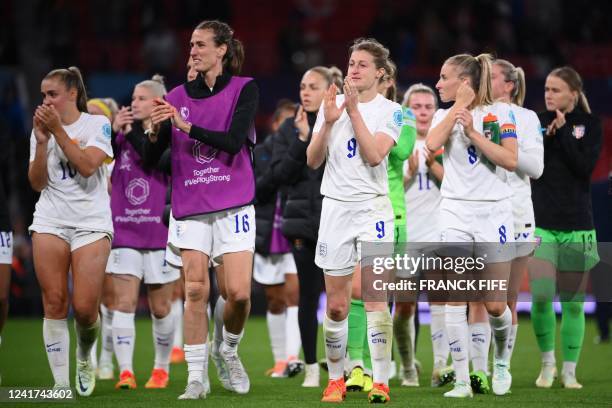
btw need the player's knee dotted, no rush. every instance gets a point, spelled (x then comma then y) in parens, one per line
(276, 305)
(55, 305)
(195, 291)
(542, 290)
(337, 309)
(161, 308)
(85, 315)
(239, 296)
(108, 300)
(292, 298)
(541, 307)
(572, 308)
(125, 304)
(496, 308)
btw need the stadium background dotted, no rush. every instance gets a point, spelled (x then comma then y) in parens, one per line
(117, 43)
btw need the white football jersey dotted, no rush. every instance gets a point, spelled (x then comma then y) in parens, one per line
(70, 199)
(466, 175)
(347, 176)
(529, 133)
(422, 201)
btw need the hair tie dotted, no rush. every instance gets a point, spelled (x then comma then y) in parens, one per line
(100, 104)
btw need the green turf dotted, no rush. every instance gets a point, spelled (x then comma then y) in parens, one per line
(23, 363)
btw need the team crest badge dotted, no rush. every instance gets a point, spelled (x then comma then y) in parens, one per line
(578, 131)
(125, 161)
(106, 130)
(398, 117)
(184, 112)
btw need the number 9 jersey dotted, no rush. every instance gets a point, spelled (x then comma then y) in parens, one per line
(356, 208)
(347, 176)
(69, 199)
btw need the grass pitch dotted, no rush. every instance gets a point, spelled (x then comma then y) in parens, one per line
(23, 363)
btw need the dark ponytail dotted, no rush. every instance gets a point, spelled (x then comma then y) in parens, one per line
(237, 57)
(224, 34)
(71, 77)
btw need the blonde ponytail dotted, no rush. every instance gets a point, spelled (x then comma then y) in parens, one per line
(583, 102)
(484, 94)
(71, 77)
(520, 88)
(478, 70)
(516, 75)
(155, 85)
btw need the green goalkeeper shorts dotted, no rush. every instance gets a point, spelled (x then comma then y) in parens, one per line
(567, 250)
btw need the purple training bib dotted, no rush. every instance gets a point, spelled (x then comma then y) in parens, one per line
(138, 200)
(205, 179)
(278, 243)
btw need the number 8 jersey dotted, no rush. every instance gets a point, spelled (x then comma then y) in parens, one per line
(466, 175)
(70, 199)
(347, 176)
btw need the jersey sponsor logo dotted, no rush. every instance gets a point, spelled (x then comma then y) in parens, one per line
(106, 130)
(398, 117)
(201, 156)
(137, 191)
(184, 111)
(578, 131)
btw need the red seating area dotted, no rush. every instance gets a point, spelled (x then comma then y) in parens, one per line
(592, 60)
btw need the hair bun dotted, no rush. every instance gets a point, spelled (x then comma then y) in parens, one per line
(158, 78)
